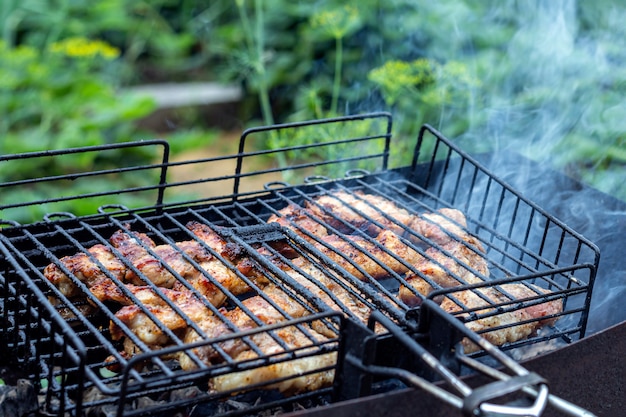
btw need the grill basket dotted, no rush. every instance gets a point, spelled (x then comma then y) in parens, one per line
(66, 345)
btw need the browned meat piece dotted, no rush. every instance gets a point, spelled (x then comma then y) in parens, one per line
(443, 226)
(146, 329)
(230, 251)
(106, 290)
(521, 323)
(153, 267)
(320, 284)
(299, 220)
(132, 250)
(258, 307)
(208, 236)
(452, 264)
(294, 376)
(133, 245)
(206, 285)
(464, 263)
(359, 210)
(377, 258)
(262, 309)
(224, 274)
(85, 269)
(143, 293)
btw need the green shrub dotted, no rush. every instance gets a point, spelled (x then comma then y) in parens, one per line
(64, 97)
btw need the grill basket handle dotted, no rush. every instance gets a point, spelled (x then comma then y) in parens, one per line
(478, 399)
(474, 402)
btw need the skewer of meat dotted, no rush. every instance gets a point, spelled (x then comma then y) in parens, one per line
(500, 328)
(441, 249)
(141, 261)
(456, 258)
(274, 306)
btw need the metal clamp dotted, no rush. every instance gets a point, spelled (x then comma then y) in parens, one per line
(475, 404)
(472, 402)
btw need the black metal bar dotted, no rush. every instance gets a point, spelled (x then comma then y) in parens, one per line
(160, 187)
(524, 244)
(277, 128)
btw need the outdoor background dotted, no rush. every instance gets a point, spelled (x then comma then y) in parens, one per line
(544, 78)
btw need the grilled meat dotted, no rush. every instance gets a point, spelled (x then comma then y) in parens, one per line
(224, 273)
(307, 373)
(337, 294)
(136, 316)
(299, 220)
(456, 264)
(384, 251)
(167, 266)
(274, 306)
(441, 227)
(347, 212)
(369, 258)
(89, 268)
(450, 265)
(500, 328)
(372, 214)
(159, 264)
(366, 236)
(452, 257)
(360, 256)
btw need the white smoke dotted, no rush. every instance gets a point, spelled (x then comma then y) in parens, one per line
(553, 88)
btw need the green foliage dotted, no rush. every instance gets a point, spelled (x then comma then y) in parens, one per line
(155, 32)
(533, 76)
(424, 90)
(187, 139)
(543, 78)
(336, 22)
(63, 98)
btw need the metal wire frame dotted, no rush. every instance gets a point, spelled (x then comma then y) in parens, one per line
(528, 245)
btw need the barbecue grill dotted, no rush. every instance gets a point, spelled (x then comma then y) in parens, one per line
(66, 344)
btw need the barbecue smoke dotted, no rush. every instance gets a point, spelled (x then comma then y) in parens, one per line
(552, 90)
(558, 110)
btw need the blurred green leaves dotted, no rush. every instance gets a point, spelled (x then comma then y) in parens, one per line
(336, 22)
(58, 98)
(155, 32)
(546, 78)
(61, 97)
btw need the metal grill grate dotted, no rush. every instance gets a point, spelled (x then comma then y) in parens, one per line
(67, 339)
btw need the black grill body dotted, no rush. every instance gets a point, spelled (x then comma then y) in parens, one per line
(67, 343)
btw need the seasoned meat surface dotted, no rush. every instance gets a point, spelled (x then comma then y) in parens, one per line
(367, 258)
(440, 227)
(205, 289)
(89, 268)
(452, 264)
(347, 211)
(293, 376)
(520, 322)
(159, 264)
(300, 220)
